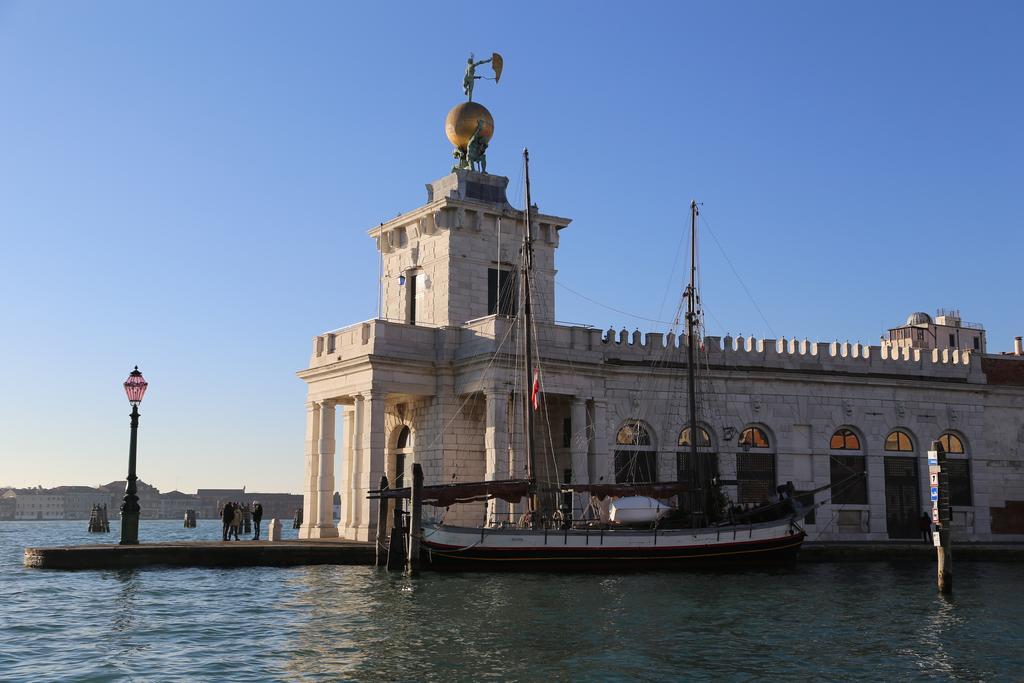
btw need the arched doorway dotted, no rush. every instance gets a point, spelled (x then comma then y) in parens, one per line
(698, 474)
(959, 469)
(755, 466)
(635, 457)
(902, 500)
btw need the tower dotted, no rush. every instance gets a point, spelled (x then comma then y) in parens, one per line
(456, 258)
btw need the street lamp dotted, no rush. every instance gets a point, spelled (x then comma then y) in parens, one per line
(135, 387)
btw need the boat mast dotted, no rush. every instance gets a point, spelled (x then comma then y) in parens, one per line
(531, 464)
(691, 383)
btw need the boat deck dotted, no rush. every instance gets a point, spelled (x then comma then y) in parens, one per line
(300, 553)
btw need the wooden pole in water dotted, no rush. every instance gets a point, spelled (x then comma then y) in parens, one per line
(396, 547)
(939, 486)
(415, 519)
(381, 557)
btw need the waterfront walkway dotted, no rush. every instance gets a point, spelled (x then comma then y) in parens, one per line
(201, 554)
(293, 553)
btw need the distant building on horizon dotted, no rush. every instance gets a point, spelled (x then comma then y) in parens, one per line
(76, 502)
(79, 500)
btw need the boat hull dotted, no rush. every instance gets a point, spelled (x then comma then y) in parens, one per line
(463, 548)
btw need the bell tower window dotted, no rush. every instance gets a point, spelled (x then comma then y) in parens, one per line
(410, 283)
(502, 292)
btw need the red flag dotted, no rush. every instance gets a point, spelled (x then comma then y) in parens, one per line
(535, 391)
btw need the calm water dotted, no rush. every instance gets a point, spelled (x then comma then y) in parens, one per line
(868, 621)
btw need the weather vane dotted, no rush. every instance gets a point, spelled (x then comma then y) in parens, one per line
(470, 78)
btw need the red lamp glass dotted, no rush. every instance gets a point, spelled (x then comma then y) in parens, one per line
(135, 387)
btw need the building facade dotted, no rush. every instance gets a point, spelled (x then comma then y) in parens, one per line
(946, 331)
(38, 504)
(79, 500)
(435, 380)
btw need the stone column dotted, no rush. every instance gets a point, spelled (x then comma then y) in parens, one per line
(325, 527)
(578, 450)
(370, 464)
(310, 507)
(496, 445)
(345, 483)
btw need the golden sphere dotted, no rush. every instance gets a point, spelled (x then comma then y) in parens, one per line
(460, 124)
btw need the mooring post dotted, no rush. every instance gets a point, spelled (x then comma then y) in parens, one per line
(382, 524)
(396, 548)
(941, 516)
(415, 519)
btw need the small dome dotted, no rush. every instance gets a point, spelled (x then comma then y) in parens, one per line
(919, 318)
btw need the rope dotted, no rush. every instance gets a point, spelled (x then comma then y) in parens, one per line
(736, 273)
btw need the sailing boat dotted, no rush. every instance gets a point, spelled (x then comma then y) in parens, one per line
(638, 531)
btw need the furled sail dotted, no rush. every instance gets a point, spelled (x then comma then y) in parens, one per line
(510, 490)
(665, 489)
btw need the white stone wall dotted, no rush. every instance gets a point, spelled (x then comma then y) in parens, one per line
(434, 377)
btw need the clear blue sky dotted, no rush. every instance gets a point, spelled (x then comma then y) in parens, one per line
(187, 186)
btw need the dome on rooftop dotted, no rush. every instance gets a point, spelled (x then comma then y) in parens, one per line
(919, 318)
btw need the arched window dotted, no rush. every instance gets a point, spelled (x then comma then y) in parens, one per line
(403, 438)
(403, 448)
(899, 441)
(754, 437)
(958, 467)
(951, 443)
(635, 457)
(703, 438)
(633, 433)
(755, 472)
(847, 471)
(844, 440)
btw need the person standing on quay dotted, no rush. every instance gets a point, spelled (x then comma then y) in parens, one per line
(226, 515)
(236, 519)
(257, 515)
(925, 524)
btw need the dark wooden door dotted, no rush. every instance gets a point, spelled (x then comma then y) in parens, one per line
(698, 476)
(902, 502)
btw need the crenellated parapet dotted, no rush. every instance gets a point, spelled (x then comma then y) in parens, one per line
(484, 337)
(794, 354)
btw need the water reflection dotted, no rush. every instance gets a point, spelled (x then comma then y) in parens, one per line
(853, 621)
(124, 608)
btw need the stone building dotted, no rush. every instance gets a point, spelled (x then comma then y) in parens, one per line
(434, 380)
(211, 501)
(945, 331)
(38, 504)
(8, 503)
(174, 503)
(78, 500)
(149, 498)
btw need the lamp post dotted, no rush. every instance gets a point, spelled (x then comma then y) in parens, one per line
(135, 387)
